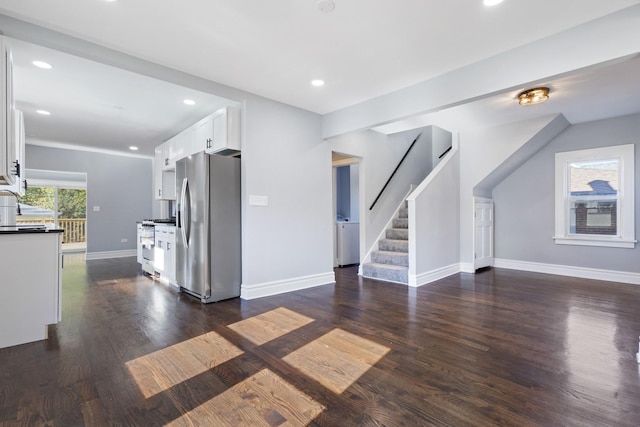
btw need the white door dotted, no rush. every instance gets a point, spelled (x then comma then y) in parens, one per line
(483, 233)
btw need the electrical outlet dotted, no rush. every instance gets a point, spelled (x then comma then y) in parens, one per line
(124, 240)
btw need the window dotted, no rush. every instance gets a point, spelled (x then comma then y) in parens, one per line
(595, 197)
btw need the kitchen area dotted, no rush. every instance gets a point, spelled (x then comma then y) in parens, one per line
(31, 261)
(196, 245)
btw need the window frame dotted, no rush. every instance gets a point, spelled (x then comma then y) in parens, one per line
(625, 237)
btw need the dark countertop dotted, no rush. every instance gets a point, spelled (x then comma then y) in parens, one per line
(26, 229)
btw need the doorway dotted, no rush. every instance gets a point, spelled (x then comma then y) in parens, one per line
(57, 203)
(347, 206)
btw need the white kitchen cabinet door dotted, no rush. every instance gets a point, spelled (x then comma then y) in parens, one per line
(167, 150)
(218, 133)
(139, 243)
(8, 170)
(170, 255)
(203, 135)
(226, 131)
(164, 180)
(157, 173)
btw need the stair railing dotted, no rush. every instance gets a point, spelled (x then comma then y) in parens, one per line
(395, 170)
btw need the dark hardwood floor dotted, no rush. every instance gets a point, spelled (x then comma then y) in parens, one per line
(497, 348)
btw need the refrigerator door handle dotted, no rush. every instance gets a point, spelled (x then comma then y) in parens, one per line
(185, 212)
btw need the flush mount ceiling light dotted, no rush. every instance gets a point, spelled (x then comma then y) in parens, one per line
(42, 64)
(533, 96)
(189, 102)
(133, 148)
(492, 2)
(317, 83)
(326, 6)
(43, 112)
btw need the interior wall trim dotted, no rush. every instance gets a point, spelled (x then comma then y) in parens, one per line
(110, 254)
(567, 270)
(261, 290)
(416, 280)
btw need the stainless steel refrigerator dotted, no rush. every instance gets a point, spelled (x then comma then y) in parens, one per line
(208, 241)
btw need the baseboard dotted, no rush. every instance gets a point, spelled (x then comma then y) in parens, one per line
(433, 275)
(567, 270)
(90, 256)
(467, 267)
(262, 290)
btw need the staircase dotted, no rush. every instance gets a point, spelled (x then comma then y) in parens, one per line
(391, 261)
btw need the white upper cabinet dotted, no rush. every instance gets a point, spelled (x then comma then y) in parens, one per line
(8, 160)
(219, 132)
(203, 134)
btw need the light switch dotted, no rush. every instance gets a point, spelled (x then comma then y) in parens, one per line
(258, 200)
(96, 208)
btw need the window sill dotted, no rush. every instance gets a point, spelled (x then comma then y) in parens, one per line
(586, 241)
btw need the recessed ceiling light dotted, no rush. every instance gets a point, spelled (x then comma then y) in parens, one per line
(43, 112)
(326, 6)
(133, 148)
(42, 64)
(492, 2)
(317, 82)
(189, 102)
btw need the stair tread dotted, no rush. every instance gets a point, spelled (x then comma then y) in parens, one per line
(392, 253)
(387, 266)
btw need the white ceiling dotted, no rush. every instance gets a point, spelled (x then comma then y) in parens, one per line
(363, 49)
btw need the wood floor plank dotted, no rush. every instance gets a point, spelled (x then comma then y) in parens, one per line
(500, 347)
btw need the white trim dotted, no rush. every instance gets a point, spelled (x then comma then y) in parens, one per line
(67, 146)
(433, 275)
(90, 256)
(260, 290)
(467, 267)
(571, 271)
(625, 155)
(581, 241)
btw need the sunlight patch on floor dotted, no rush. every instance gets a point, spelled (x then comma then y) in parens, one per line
(270, 325)
(337, 359)
(264, 399)
(163, 369)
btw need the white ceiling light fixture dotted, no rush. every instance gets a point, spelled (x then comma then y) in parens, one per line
(492, 2)
(326, 6)
(317, 82)
(133, 148)
(43, 112)
(533, 96)
(189, 102)
(43, 65)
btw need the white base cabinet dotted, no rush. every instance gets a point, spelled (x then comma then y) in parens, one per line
(30, 296)
(164, 256)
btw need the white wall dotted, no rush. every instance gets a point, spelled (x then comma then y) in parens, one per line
(120, 185)
(434, 249)
(525, 205)
(288, 244)
(488, 151)
(380, 155)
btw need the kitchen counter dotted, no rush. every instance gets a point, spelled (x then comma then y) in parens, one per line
(31, 266)
(18, 229)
